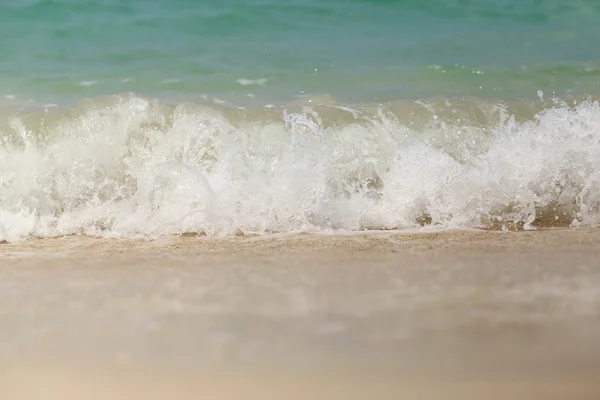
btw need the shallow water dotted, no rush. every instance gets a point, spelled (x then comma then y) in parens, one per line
(57, 51)
(156, 118)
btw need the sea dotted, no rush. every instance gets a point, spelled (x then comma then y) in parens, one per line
(146, 118)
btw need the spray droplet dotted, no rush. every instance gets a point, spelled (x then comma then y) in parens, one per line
(540, 94)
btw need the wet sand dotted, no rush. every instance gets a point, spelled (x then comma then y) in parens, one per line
(389, 315)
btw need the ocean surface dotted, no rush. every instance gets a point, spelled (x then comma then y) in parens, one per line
(150, 118)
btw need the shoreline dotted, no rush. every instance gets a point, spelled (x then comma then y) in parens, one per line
(389, 240)
(436, 315)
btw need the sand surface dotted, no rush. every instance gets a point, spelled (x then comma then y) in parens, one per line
(382, 315)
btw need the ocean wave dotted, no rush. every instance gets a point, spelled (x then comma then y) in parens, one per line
(136, 167)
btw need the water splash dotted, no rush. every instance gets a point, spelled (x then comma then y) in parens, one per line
(136, 167)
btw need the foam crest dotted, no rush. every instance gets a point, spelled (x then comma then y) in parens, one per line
(136, 167)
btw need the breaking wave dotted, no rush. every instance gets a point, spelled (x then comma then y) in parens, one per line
(137, 167)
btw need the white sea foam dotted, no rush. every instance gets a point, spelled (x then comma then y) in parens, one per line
(135, 167)
(247, 82)
(88, 83)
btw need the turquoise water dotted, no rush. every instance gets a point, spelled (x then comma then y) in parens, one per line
(159, 117)
(357, 51)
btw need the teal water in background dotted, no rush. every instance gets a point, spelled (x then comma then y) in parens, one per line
(353, 51)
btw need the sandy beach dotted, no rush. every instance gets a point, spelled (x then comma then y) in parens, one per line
(387, 315)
